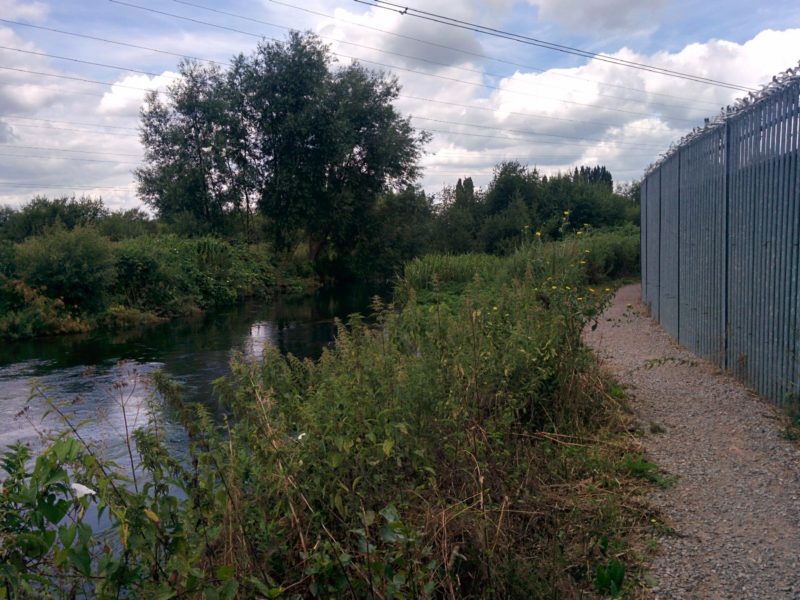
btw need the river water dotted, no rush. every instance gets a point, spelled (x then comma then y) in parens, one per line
(100, 378)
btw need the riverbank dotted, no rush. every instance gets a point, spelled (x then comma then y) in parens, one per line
(75, 281)
(730, 518)
(467, 446)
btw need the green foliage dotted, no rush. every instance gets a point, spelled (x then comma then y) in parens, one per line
(518, 203)
(126, 224)
(446, 450)
(316, 148)
(400, 228)
(75, 266)
(42, 214)
(609, 254)
(25, 312)
(7, 258)
(71, 280)
(609, 578)
(169, 275)
(639, 466)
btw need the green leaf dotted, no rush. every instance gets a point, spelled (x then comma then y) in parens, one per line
(229, 589)
(388, 534)
(264, 589)
(58, 475)
(387, 447)
(337, 502)
(80, 559)
(225, 572)
(54, 512)
(390, 514)
(66, 534)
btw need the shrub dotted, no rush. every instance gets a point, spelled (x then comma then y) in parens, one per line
(42, 214)
(26, 313)
(75, 266)
(122, 225)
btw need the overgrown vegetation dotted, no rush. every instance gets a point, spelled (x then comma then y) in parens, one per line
(281, 169)
(75, 266)
(466, 445)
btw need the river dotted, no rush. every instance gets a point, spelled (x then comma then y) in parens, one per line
(94, 376)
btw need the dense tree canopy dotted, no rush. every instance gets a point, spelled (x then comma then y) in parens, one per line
(313, 147)
(518, 202)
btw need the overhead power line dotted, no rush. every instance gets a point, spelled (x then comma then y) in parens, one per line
(52, 149)
(411, 57)
(70, 158)
(84, 62)
(473, 54)
(390, 66)
(73, 78)
(433, 100)
(521, 114)
(63, 187)
(22, 118)
(107, 41)
(94, 131)
(499, 33)
(517, 131)
(525, 132)
(529, 132)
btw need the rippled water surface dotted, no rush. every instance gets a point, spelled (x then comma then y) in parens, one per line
(95, 375)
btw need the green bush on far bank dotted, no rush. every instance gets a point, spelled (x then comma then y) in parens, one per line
(79, 275)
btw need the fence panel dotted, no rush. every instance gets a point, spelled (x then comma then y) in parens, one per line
(721, 240)
(652, 203)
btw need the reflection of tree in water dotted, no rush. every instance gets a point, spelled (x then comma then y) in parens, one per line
(196, 351)
(82, 369)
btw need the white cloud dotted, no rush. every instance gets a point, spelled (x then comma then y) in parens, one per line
(127, 95)
(593, 15)
(27, 11)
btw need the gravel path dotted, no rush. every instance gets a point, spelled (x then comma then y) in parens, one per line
(735, 507)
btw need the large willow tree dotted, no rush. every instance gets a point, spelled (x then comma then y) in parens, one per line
(311, 145)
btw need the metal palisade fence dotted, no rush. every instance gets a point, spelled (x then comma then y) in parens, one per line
(721, 239)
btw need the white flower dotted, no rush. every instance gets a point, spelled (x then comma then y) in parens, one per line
(301, 436)
(81, 490)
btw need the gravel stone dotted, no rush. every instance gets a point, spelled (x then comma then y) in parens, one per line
(735, 507)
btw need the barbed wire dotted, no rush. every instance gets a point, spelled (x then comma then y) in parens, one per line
(741, 106)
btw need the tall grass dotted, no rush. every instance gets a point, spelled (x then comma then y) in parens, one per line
(461, 447)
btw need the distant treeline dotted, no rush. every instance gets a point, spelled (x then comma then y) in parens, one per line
(67, 264)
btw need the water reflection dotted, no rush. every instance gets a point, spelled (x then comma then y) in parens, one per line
(83, 370)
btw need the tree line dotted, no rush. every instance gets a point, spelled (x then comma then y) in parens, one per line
(285, 146)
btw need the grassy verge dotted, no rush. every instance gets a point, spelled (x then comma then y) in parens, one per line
(466, 446)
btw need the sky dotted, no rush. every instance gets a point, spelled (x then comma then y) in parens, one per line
(69, 127)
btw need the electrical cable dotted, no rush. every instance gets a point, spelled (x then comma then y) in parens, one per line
(478, 54)
(436, 18)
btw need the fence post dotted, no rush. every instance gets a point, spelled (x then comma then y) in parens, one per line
(726, 156)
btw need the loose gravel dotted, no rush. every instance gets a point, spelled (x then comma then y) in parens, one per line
(734, 508)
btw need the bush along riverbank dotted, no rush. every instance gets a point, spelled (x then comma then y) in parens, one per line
(68, 281)
(466, 445)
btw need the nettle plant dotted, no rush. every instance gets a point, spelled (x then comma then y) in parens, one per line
(73, 524)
